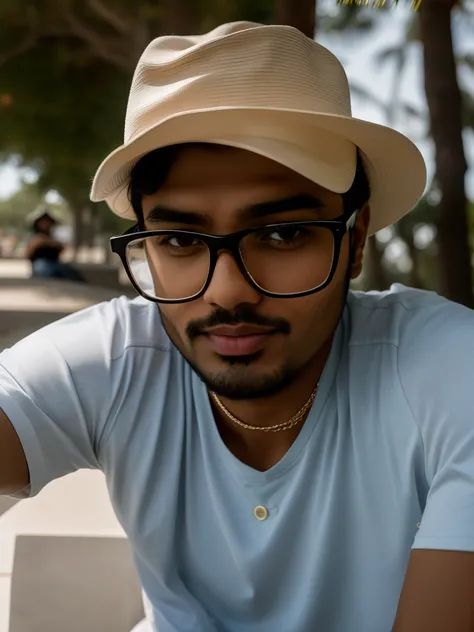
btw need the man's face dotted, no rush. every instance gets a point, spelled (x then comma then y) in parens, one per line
(243, 344)
(45, 224)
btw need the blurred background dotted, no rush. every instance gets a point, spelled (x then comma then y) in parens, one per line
(65, 71)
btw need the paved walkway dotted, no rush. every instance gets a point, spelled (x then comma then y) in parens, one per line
(65, 565)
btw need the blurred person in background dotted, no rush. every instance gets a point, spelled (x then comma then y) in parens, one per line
(44, 251)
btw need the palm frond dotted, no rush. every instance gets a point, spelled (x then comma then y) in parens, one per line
(412, 30)
(466, 59)
(381, 4)
(468, 109)
(410, 110)
(349, 17)
(366, 95)
(389, 54)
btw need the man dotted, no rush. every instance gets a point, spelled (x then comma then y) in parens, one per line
(44, 251)
(283, 454)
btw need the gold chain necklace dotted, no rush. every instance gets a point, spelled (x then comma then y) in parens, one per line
(277, 427)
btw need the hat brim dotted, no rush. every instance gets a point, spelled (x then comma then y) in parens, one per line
(299, 140)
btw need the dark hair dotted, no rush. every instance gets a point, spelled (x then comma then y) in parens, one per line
(151, 171)
(35, 225)
(359, 193)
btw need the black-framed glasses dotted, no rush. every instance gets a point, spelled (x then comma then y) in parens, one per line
(284, 260)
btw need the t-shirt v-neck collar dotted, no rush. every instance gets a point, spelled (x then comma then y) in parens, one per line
(215, 448)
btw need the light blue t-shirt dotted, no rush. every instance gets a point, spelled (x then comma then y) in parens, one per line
(384, 462)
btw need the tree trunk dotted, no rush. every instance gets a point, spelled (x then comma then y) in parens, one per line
(77, 202)
(298, 13)
(404, 229)
(444, 103)
(179, 17)
(78, 230)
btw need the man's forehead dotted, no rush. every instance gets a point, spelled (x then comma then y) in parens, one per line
(219, 164)
(219, 183)
(251, 200)
(201, 177)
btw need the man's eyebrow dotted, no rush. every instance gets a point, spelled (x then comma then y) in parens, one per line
(174, 216)
(302, 202)
(299, 202)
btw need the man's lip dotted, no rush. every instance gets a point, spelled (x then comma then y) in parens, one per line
(235, 331)
(243, 345)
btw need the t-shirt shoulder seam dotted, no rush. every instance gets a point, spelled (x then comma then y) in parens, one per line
(154, 347)
(94, 443)
(387, 305)
(110, 422)
(366, 343)
(412, 412)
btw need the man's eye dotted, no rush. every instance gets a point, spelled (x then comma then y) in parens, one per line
(181, 241)
(289, 233)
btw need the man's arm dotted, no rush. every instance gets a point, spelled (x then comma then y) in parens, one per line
(56, 391)
(14, 475)
(436, 370)
(438, 593)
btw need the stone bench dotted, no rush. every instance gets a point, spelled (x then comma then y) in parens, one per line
(65, 563)
(74, 584)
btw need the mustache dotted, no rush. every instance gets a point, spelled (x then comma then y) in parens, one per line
(242, 315)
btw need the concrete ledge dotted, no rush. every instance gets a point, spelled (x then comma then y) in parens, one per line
(101, 275)
(59, 288)
(6, 504)
(106, 275)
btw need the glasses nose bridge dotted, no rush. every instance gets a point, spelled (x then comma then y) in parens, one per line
(229, 243)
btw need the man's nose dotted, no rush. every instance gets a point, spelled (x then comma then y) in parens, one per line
(229, 287)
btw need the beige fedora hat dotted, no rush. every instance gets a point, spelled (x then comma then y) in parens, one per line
(267, 89)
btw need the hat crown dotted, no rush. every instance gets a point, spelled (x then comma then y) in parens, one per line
(241, 64)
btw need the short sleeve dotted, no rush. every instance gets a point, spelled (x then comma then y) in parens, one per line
(436, 368)
(55, 387)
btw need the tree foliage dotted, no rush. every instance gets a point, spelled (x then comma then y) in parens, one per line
(66, 67)
(15, 210)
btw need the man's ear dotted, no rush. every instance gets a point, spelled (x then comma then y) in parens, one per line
(359, 238)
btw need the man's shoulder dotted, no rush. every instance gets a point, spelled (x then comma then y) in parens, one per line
(408, 318)
(103, 331)
(432, 361)
(133, 322)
